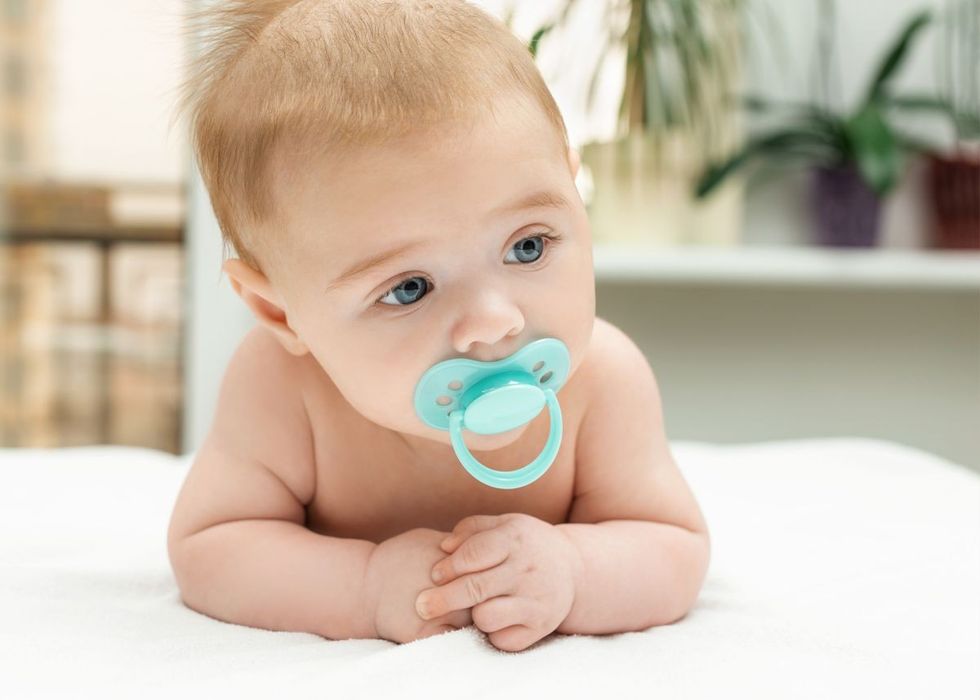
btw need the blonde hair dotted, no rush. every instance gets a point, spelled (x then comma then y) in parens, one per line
(332, 74)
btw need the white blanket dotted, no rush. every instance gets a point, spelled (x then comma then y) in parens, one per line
(841, 568)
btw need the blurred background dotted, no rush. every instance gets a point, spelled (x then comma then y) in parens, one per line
(784, 197)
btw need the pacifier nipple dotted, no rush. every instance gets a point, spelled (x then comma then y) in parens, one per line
(495, 397)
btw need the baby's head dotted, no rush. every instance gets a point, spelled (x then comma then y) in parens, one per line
(332, 134)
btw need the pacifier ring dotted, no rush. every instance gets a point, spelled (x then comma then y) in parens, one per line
(518, 477)
(494, 397)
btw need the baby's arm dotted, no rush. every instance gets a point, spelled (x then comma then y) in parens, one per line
(267, 570)
(237, 542)
(633, 575)
(643, 541)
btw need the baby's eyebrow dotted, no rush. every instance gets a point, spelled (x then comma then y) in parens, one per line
(368, 264)
(543, 198)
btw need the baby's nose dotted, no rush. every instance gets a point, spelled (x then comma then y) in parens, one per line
(485, 325)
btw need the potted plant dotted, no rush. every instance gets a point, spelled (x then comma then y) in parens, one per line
(954, 177)
(857, 157)
(682, 60)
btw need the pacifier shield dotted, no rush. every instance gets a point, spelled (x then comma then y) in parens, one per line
(513, 388)
(506, 408)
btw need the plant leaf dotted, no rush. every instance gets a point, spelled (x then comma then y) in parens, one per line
(762, 105)
(811, 142)
(533, 45)
(896, 55)
(874, 148)
(963, 121)
(919, 103)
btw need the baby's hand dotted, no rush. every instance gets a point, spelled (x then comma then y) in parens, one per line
(514, 570)
(397, 571)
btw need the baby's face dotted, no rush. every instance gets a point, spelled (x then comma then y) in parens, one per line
(477, 276)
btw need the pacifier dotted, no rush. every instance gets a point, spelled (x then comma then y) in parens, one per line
(494, 397)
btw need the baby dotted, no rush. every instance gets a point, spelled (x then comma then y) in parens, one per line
(396, 180)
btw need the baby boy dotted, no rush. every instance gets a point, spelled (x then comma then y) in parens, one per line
(396, 180)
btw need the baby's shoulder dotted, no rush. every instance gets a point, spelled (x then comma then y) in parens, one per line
(268, 366)
(614, 373)
(608, 338)
(292, 375)
(261, 412)
(610, 353)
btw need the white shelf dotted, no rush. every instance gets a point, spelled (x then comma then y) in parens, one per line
(789, 266)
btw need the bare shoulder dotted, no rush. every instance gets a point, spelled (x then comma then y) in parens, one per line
(269, 368)
(255, 461)
(261, 412)
(619, 383)
(607, 337)
(624, 466)
(612, 356)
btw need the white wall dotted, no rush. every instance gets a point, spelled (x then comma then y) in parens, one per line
(114, 65)
(741, 364)
(785, 68)
(216, 317)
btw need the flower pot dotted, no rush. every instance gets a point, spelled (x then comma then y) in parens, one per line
(954, 188)
(846, 209)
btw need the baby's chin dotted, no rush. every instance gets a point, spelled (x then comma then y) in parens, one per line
(476, 442)
(486, 443)
(481, 443)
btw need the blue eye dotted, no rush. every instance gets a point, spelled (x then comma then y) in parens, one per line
(408, 291)
(529, 249)
(411, 289)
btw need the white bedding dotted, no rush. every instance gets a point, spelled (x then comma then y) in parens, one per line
(841, 568)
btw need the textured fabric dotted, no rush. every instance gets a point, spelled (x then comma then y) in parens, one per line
(844, 568)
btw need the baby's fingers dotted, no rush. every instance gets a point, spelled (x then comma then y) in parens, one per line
(464, 593)
(478, 553)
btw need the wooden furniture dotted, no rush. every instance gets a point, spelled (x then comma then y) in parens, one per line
(44, 213)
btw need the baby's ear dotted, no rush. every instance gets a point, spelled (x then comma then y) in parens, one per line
(269, 308)
(574, 160)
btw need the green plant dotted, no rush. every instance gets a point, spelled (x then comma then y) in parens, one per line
(866, 136)
(681, 59)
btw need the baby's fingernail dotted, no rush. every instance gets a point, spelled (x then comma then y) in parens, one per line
(422, 606)
(437, 575)
(449, 541)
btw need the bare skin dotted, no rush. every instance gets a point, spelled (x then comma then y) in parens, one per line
(318, 404)
(385, 490)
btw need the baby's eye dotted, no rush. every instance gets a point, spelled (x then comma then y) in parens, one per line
(528, 250)
(411, 289)
(408, 291)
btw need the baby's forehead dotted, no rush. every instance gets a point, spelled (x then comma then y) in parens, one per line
(434, 166)
(509, 120)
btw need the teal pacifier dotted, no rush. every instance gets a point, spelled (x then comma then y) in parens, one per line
(494, 397)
